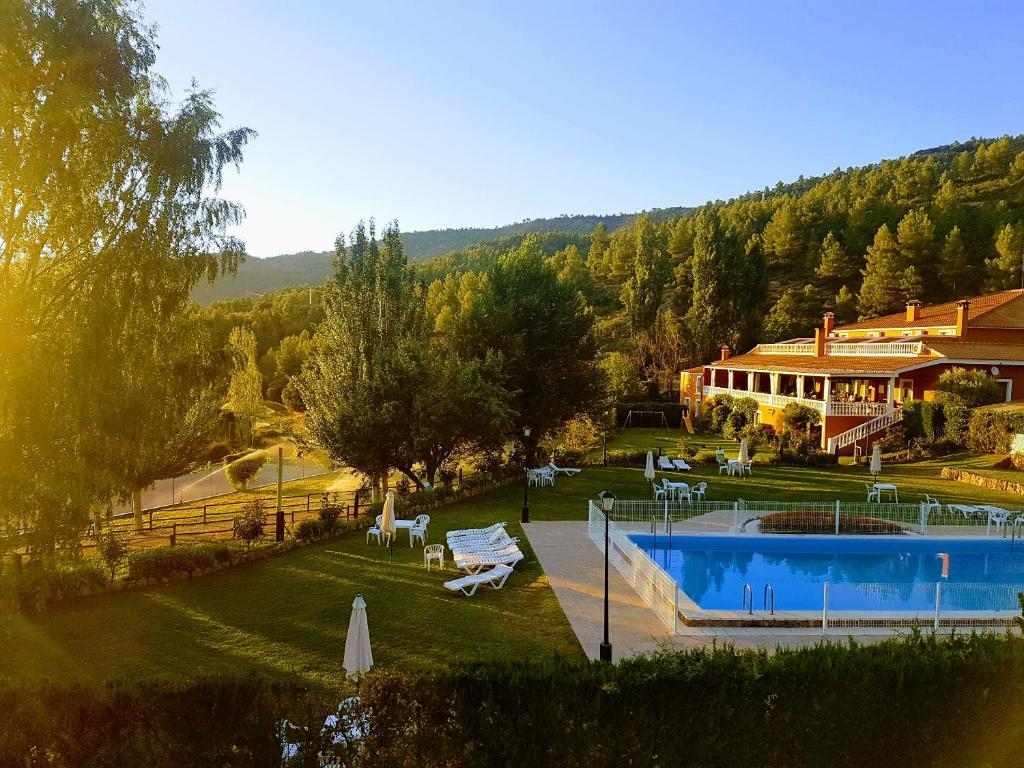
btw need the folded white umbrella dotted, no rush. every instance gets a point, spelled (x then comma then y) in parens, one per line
(744, 451)
(387, 523)
(649, 470)
(876, 460)
(358, 657)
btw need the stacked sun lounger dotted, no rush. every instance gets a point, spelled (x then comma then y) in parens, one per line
(486, 554)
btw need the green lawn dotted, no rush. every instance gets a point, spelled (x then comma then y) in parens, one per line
(288, 614)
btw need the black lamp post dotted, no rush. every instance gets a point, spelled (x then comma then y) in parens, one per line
(526, 476)
(604, 448)
(607, 502)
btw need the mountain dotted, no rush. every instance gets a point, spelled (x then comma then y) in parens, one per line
(257, 276)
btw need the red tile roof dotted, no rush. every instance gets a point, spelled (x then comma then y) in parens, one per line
(995, 310)
(838, 364)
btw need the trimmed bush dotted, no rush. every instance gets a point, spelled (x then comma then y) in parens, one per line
(835, 705)
(992, 431)
(167, 562)
(309, 530)
(248, 525)
(807, 521)
(38, 584)
(240, 472)
(704, 458)
(622, 458)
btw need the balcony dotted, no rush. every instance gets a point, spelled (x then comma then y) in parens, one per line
(830, 408)
(847, 349)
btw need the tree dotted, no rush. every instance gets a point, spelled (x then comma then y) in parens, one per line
(1007, 269)
(888, 281)
(836, 263)
(784, 235)
(795, 314)
(845, 306)
(542, 329)
(641, 294)
(714, 255)
(916, 236)
(661, 351)
(108, 217)
(621, 377)
(971, 388)
(245, 389)
(953, 263)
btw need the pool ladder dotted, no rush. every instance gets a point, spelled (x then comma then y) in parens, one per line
(768, 603)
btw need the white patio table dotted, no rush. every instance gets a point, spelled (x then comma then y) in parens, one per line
(886, 488)
(678, 490)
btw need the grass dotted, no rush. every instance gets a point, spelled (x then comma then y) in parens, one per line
(288, 615)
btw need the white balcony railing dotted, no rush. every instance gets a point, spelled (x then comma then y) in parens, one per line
(856, 409)
(874, 349)
(831, 408)
(775, 401)
(784, 349)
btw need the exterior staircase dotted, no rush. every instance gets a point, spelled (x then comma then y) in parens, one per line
(866, 429)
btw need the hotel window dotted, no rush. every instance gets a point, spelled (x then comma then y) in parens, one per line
(947, 333)
(908, 333)
(873, 334)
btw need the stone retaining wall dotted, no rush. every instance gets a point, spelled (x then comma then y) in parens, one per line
(993, 483)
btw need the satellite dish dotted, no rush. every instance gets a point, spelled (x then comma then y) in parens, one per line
(995, 370)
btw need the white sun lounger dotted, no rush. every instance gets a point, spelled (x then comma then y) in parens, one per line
(496, 577)
(505, 547)
(570, 471)
(474, 563)
(477, 532)
(497, 539)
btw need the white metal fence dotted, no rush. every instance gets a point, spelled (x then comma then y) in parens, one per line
(878, 604)
(655, 587)
(820, 517)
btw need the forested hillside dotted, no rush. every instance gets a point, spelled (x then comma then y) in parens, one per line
(256, 276)
(940, 224)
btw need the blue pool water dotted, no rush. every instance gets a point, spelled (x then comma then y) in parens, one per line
(866, 573)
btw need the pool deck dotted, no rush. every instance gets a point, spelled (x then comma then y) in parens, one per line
(575, 569)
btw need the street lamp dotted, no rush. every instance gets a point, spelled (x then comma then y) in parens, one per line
(526, 476)
(607, 502)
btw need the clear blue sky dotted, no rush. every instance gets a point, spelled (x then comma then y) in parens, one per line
(453, 114)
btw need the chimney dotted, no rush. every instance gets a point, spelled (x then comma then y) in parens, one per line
(961, 318)
(819, 342)
(725, 352)
(913, 311)
(830, 323)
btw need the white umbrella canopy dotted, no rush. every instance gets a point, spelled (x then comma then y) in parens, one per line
(649, 469)
(744, 451)
(876, 460)
(387, 523)
(358, 657)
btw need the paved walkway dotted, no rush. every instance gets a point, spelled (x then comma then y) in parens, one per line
(575, 568)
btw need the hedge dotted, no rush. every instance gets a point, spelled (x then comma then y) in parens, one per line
(992, 431)
(913, 703)
(168, 562)
(36, 584)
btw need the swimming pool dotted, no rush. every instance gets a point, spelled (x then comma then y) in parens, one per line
(865, 573)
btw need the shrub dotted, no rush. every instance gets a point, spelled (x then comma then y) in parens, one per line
(799, 448)
(800, 417)
(765, 459)
(932, 420)
(992, 431)
(893, 440)
(705, 458)
(248, 525)
(957, 417)
(968, 388)
(578, 436)
(330, 513)
(686, 447)
(38, 584)
(623, 458)
(240, 471)
(292, 398)
(309, 530)
(760, 437)
(166, 562)
(734, 424)
(112, 550)
(403, 487)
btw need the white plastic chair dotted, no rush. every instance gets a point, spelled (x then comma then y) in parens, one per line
(873, 493)
(659, 490)
(433, 552)
(374, 530)
(931, 504)
(698, 491)
(723, 465)
(419, 529)
(746, 468)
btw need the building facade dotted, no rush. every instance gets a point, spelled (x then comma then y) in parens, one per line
(857, 376)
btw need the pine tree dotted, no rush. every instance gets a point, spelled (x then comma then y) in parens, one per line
(707, 319)
(835, 264)
(884, 277)
(845, 306)
(953, 264)
(1007, 270)
(916, 236)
